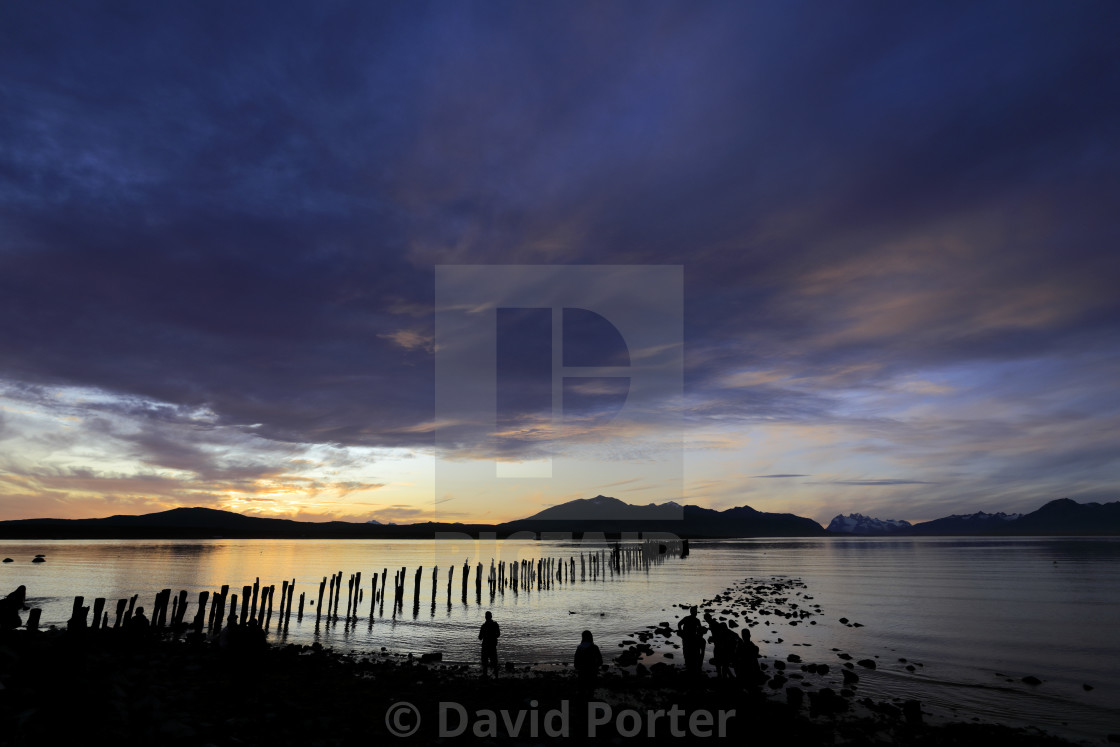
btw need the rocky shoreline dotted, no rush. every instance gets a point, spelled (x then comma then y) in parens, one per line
(59, 686)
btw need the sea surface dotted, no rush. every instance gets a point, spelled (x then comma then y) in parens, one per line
(972, 616)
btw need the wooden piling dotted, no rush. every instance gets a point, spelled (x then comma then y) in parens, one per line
(319, 606)
(381, 602)
(219, 618)
(182, 607)
(283, 599)
(200, 616)
(78, 614)
(271, 594)
(288, 609)
(246, 592)
(98, 606)
(120, 612)
(33, 620)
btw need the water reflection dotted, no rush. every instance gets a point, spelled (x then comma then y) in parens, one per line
(969, 609)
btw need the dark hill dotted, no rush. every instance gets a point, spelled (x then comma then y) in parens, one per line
(600, 515)
(610, 515)
(1067, 517)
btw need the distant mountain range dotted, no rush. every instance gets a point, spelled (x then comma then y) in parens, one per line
(865, 525)
(601, 514)
(1059, 517)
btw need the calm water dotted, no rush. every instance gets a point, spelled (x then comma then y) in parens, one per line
(973, 612)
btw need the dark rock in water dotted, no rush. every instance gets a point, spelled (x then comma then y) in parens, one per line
(431, 657)
(910, 668)
(627, 657)
(888, 710)
(641, 670)
(846, 693)
(845, 657)
(39, 560)
(793, 659)
(7, 560)
(826, 702)
(779, 665)
(1086, 688)
(661, 669)
(822, 669)
(867, 663)
(912, 710)
(1030, 679)
(777, 682)
(844, 620)
(850, 677)
(795, 696)
(668, 654)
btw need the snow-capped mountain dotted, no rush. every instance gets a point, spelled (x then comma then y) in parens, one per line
(860, 524)
(977, 523)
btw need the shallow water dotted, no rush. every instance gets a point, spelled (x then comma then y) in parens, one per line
(973, 612)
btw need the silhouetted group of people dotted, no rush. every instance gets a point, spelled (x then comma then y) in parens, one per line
(734, 656)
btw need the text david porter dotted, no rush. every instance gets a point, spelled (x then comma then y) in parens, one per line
(455, 720)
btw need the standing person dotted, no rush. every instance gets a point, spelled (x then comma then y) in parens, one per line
(746, 661)
(692, 641)
(724, 643)
(489, 634)
(587, 662)
(11, 606)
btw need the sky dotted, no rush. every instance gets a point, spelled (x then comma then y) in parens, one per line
(891, 226)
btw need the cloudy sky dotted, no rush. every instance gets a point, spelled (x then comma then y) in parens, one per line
(895, 225)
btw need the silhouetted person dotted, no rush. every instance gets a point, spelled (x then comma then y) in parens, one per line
(745, 661)
(139, 624)
(587, 662)
(10, 607)
(692, 641)
(489, 634)
(723, 648)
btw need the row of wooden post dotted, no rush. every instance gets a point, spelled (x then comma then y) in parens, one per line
(257, 601)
